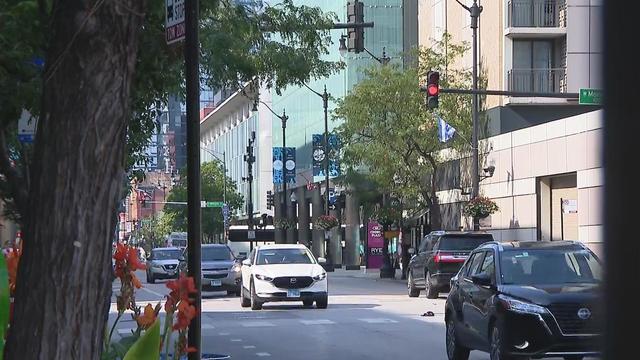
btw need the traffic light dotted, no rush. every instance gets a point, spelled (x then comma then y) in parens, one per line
(355, 14)
(433, 89)
(269, 199)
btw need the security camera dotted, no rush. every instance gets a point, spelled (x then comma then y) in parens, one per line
(490, 170)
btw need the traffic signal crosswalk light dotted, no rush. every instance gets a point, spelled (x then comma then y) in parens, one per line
(355, 15)
(269, 200)
(433, 89)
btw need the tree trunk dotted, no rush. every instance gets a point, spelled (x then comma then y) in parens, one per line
(64, 279)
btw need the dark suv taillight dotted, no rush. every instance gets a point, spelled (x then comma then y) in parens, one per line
(447, 257)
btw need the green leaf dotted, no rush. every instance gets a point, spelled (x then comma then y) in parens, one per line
(147, 347)
(4, 302)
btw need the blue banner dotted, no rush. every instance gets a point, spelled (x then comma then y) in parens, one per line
(284, 165)
(278, 165)
(318, 157)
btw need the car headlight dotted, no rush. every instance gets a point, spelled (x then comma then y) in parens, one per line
(156, 266)
(236, 267)
(320, 277)
(263, 277)
(521, 306)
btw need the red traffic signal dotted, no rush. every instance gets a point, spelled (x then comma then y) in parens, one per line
(433, 89)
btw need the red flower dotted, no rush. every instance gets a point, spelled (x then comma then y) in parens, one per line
(181, 288)
(186, 312)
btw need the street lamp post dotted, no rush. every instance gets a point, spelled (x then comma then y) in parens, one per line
(283, 118)
(224, 181)
(474, 12)
(325, 104)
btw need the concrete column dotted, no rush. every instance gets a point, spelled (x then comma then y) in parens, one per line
(336, 240)
(304, 235)
(291, 215)
(277, 213)
(317, 236)
(352, 232)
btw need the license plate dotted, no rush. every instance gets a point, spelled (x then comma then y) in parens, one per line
(216, 282)
(293, 293)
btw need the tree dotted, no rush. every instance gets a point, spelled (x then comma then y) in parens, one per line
(391, 137)
(106, 70)
(212, 183)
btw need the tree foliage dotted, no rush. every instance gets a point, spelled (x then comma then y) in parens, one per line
(390, 135)
(274, 45)
(212, 188)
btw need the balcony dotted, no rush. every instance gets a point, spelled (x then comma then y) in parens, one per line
(537, 80)
(536, 18)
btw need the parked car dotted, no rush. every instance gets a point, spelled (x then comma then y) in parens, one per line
(440, 256)
(526, 299)
(283, 273)
(220, 269)
(162, 263)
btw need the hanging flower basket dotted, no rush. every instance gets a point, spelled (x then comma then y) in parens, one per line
(326, 222)
(283, 224)
(480, 207)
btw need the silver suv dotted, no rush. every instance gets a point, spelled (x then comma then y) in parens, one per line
(220, 269)
(163, 263)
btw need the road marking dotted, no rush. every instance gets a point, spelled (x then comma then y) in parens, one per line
(208, 326)
(317, 322)
(223, 334)
(378, 321)
(257, 324)
(249, 347)
(236, 340)
(263, 354)
(153, 292)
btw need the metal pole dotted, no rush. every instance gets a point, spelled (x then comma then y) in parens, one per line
(191, 55)
(284, 169)
(475, 11)
(325, 103)
(224, 194)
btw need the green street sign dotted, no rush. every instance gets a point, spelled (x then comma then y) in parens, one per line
(211, 204)
(590, 97)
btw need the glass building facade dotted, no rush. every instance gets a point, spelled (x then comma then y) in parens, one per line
(304, 108)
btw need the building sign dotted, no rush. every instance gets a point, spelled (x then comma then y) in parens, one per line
(318, 157)
(375, 243)
(27, 127)
(174, 21)
(284, 165)
(569, 206)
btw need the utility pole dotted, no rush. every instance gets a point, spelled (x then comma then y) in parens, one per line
(194, 216)
(475, 11)
(250, 159)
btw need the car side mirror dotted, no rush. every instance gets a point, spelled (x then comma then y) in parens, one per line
(322, 260)
(246, 262)
(412, 251)
(481, 279)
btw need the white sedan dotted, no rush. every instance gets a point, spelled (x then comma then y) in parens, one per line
(283, 273)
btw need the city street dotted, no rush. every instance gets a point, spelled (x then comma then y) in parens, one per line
(367, 318)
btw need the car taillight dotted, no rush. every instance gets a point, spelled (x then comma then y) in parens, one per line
(444, 257)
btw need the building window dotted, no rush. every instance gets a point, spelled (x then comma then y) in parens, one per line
(533, 67)
(534, 13)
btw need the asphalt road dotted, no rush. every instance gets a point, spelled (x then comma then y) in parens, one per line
(367, 318)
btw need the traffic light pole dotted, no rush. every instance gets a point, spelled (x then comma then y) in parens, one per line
(475, 11)
(250, 159)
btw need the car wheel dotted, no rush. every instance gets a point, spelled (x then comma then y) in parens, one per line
(411, 287)
(307, 302)
(432, 292)
(255, 303)
(497, 351)
(455, 351)
(150, 278)
(323, 302)
(244, 301)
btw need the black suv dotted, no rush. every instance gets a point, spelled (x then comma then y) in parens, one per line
(439, 257)
(524, 300)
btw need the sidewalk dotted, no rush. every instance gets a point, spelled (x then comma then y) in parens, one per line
(363, 273)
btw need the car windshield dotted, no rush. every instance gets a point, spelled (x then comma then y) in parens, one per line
(463, 243)
(166, 254)
(547, 266)
(216, 253)
(284, 256)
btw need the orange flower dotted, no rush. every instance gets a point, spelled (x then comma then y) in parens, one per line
(12, 259)
(147, 318)
(136, 282)
(186, 312)
(181, 288)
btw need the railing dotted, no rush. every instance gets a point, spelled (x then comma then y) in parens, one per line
(537, 80)
(534, 13)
